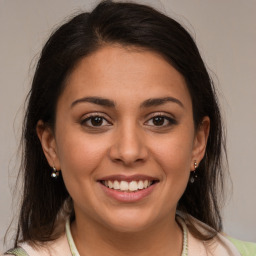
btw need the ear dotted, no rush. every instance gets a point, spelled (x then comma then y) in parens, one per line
(200, 141)
(47, 139)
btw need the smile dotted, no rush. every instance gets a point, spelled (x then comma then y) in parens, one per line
(126, 186)
(128, 189)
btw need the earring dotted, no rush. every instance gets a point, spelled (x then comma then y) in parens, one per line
(55, 173)
(193, 173)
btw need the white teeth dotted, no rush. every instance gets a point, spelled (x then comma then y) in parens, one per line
(140, 184)
(124, 185)
(109, 184)
(133, 186)
(145, 183)
(116, 185)
(127, 186)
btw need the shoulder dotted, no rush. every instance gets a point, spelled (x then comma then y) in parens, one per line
(245, 248)
(219, 245)
(58, 247)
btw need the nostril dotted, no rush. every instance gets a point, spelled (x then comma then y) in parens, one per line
(128, 148)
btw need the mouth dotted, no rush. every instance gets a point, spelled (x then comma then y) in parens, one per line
(128, 186)
(128, 189)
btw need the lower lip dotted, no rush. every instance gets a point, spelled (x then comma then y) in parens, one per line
(128, 197)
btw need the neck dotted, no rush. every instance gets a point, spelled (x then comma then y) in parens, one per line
(93, 238)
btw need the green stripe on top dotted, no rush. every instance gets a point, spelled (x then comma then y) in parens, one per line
(17, 252)
(245, 248)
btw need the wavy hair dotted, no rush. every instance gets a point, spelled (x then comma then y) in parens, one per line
(126, 24)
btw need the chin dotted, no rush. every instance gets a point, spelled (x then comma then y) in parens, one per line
(130, 222)
(128, 227)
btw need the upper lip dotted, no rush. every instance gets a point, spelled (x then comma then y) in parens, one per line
(135, 177)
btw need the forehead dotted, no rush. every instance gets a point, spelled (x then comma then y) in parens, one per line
(125, 73)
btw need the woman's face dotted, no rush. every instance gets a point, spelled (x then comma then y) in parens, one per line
(124, 138)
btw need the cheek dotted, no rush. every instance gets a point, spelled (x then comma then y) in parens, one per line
(174, 152)
(79, 160)
(79, 154)
(174, 158)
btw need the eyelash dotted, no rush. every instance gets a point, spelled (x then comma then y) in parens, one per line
(171, 121)
(90, 117)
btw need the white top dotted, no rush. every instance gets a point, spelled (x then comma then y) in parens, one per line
(65, 246)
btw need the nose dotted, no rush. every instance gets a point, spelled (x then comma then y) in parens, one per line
(129, 147)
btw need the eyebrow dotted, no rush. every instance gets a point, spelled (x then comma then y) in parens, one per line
(160, 101)
(109, 103)
(95, 100)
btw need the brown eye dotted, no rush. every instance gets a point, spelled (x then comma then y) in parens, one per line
(158, 120)
(161, 121)
(95, 121)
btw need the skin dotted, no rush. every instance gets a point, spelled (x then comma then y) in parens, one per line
(127, 142)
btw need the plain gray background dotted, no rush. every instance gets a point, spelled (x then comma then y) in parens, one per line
(225, 32)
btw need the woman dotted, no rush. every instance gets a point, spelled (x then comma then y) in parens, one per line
(123, 141)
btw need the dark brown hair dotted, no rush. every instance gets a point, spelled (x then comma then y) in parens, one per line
(127, 24)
